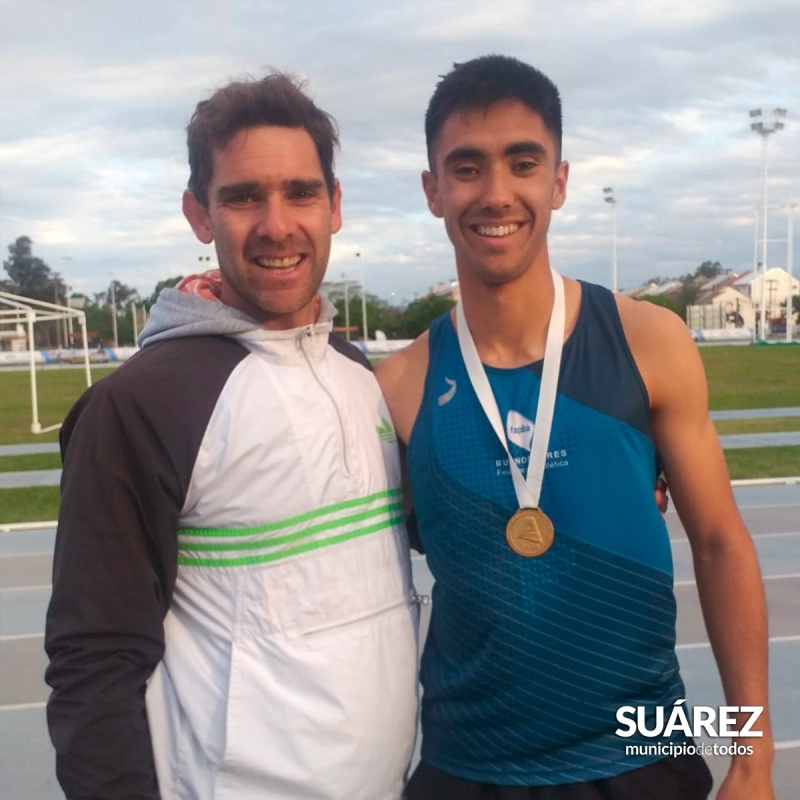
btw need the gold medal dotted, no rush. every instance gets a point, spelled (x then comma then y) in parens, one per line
(530, 532)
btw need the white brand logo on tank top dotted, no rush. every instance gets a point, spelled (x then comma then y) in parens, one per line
(519, 430)
(449, 394)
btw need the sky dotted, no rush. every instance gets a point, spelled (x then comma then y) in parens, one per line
(96, 96)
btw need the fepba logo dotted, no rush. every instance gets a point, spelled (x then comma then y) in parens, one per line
(703, 719)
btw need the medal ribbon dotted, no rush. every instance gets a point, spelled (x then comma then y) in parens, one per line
(528, 490)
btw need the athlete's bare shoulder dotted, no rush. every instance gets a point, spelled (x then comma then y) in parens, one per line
(661, 345)
(645, 321)
(402, 379)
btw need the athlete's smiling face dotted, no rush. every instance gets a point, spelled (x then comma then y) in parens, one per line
(271, 218)
(496, 182)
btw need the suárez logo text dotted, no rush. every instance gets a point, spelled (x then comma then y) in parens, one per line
(703, 719)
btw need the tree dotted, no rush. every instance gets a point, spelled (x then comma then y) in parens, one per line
(149, 302)
(678, 300)
(122, 295)
(383, 317)
(380, 315)
(418, 315)
(709, 269)
(30, 276)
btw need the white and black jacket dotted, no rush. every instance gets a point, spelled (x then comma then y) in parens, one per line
(232, 613)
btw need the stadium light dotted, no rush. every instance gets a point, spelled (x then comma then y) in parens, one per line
(610, 198)
(765, 124)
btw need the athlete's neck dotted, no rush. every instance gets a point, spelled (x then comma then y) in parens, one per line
(508, 322)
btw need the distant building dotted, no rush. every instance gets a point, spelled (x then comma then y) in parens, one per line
(776, 288)
(721, 307)
(449, 289)
(653, 289)
(775, 291)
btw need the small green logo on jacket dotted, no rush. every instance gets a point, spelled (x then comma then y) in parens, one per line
(386, 431)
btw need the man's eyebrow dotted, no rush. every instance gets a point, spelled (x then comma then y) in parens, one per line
(467, 153)
(293, 186)
(463, 154)
(305, 185)
(233, 189)
(526, 148)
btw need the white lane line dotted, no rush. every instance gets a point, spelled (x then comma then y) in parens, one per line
(22, 706)
(771, 640)
(752, 535)
(747, 482)
(18, 637)
(28, 554)
(790, 744)
(36, 588)
(788, 575)
(671, 512)
(47, 525)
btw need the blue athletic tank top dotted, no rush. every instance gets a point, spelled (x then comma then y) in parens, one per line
(528, 659)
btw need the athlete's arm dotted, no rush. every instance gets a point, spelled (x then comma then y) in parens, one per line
(726, 568)
(402, 379)
(113, 573)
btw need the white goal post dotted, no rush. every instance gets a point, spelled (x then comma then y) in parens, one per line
(18, 310)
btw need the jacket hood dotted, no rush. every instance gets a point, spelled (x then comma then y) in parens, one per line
(178, 313)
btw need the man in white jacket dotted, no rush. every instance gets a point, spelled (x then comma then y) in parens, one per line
(232, 613)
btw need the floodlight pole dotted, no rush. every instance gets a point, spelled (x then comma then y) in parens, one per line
(114, 313)
(363, 297)
(789, 269)
(765, 125)
(346, 309)
(608, 197)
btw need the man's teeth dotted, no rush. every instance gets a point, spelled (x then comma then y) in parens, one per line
(279, 263)
(499, 230)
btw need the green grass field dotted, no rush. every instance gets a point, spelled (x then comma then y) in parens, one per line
(32, 504)
(57, 389)
(752, 377)
(739, 377)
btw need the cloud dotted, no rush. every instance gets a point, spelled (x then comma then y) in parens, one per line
(656, 95)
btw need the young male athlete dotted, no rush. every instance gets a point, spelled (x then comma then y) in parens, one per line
(536, 418)
(232, 613)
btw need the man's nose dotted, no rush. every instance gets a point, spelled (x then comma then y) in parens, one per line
(275, 220)
(498, 189)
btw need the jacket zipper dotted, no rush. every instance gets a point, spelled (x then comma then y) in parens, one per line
(305, 339)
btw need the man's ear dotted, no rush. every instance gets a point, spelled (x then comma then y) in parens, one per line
(560, 185)
(197, 216)
(336, 208)
(431, 188)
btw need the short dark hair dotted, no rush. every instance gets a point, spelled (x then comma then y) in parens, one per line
(484, 81)
(277, 99)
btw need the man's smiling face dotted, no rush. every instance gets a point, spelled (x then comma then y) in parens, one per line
(271, 218)
(495, 184)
